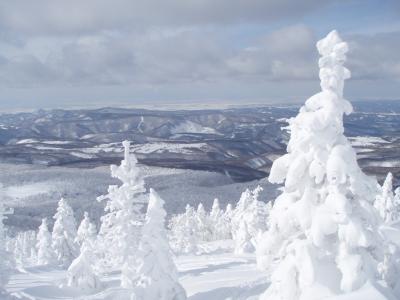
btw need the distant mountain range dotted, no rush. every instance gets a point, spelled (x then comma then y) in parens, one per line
(240, 142)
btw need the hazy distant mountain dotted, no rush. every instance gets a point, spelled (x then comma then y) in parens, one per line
(240, 142)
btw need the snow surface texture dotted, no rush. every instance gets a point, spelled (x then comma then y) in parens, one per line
(323, 227)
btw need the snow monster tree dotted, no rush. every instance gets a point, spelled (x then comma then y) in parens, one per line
(323, 227)
(120, 227)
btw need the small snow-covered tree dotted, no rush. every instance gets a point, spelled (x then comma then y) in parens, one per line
(64, 234)
(240, 209)
(216, 211)
(24, 248)
(156, 276)
(323, 227)
(6, 260)
(45, 254)
(243, 243)
(253, 211)
(189, 233)
(80, 273)
(386, 203)
(83, 229)
(225, 223)
(120, 226)
(215, 221)
(202, 223)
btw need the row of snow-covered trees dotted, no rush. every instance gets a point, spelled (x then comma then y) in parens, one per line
(132, 238)
(242, 224)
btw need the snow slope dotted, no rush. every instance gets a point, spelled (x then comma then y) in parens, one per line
(217, 274)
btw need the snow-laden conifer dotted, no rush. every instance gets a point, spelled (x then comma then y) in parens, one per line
(202, 223)
(83, 229)
(120, 226)
(6, 260)
(253, 211)
(323, 226)
(64, 234)
(80, 273)
(243, 240)
(45, 253)
(156, 275)
(386, 203)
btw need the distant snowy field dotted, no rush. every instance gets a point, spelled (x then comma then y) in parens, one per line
(33, 191)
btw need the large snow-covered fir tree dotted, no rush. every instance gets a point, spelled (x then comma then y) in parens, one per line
(6, 260)
(120, 226)
(323, 227)
(64, 234)
(45, 253)
(155, 277)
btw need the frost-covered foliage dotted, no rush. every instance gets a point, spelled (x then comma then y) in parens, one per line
(6, 260)
(24, 248)
(156, 274)
(243, 243)
(202, 223)
(64, 234)
(254, 212)
(217, 228)
(184, 231)
(198, 226)
(80, 273)
(120, 226)
(83, 229)
(225, 223)
(323, 227)
(385, 202)
(45, 253)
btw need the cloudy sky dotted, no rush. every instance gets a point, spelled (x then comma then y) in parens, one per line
(69, 53)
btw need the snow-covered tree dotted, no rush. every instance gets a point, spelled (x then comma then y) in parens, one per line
(24, 248)
(83, 229)
(215, 221)
(80, 273)
(253, 211)
(64, 234)
(6, 260)
(120, 226)
(323, 226)
(386, 203)
(45, 253)
(216, 211)
(225, 223)
(156, 275)
(240, 210)
(202, 223)
(243, 243)
(189, 233)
